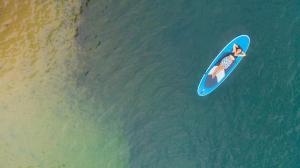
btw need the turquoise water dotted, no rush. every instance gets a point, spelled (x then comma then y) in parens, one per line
(144, 59)
(113, 84)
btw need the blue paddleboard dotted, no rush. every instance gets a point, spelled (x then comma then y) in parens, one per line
(209, 84)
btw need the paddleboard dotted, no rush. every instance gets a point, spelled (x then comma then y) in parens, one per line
(209, 84)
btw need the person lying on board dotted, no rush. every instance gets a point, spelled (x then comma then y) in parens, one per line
(228, 59)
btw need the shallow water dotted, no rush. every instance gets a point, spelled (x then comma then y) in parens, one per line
(113, 84)
(43, 113)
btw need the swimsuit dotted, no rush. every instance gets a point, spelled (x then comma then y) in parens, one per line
(226, 62)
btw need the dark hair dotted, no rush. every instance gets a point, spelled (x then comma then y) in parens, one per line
(239, 47)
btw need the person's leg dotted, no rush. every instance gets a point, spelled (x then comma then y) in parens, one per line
(217, 70)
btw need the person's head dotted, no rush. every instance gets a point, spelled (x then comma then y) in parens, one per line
(239, 50)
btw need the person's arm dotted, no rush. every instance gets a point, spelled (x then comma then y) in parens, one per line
(242, 54)
(234, 48)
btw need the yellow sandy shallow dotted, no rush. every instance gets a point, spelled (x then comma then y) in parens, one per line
(42, 123)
